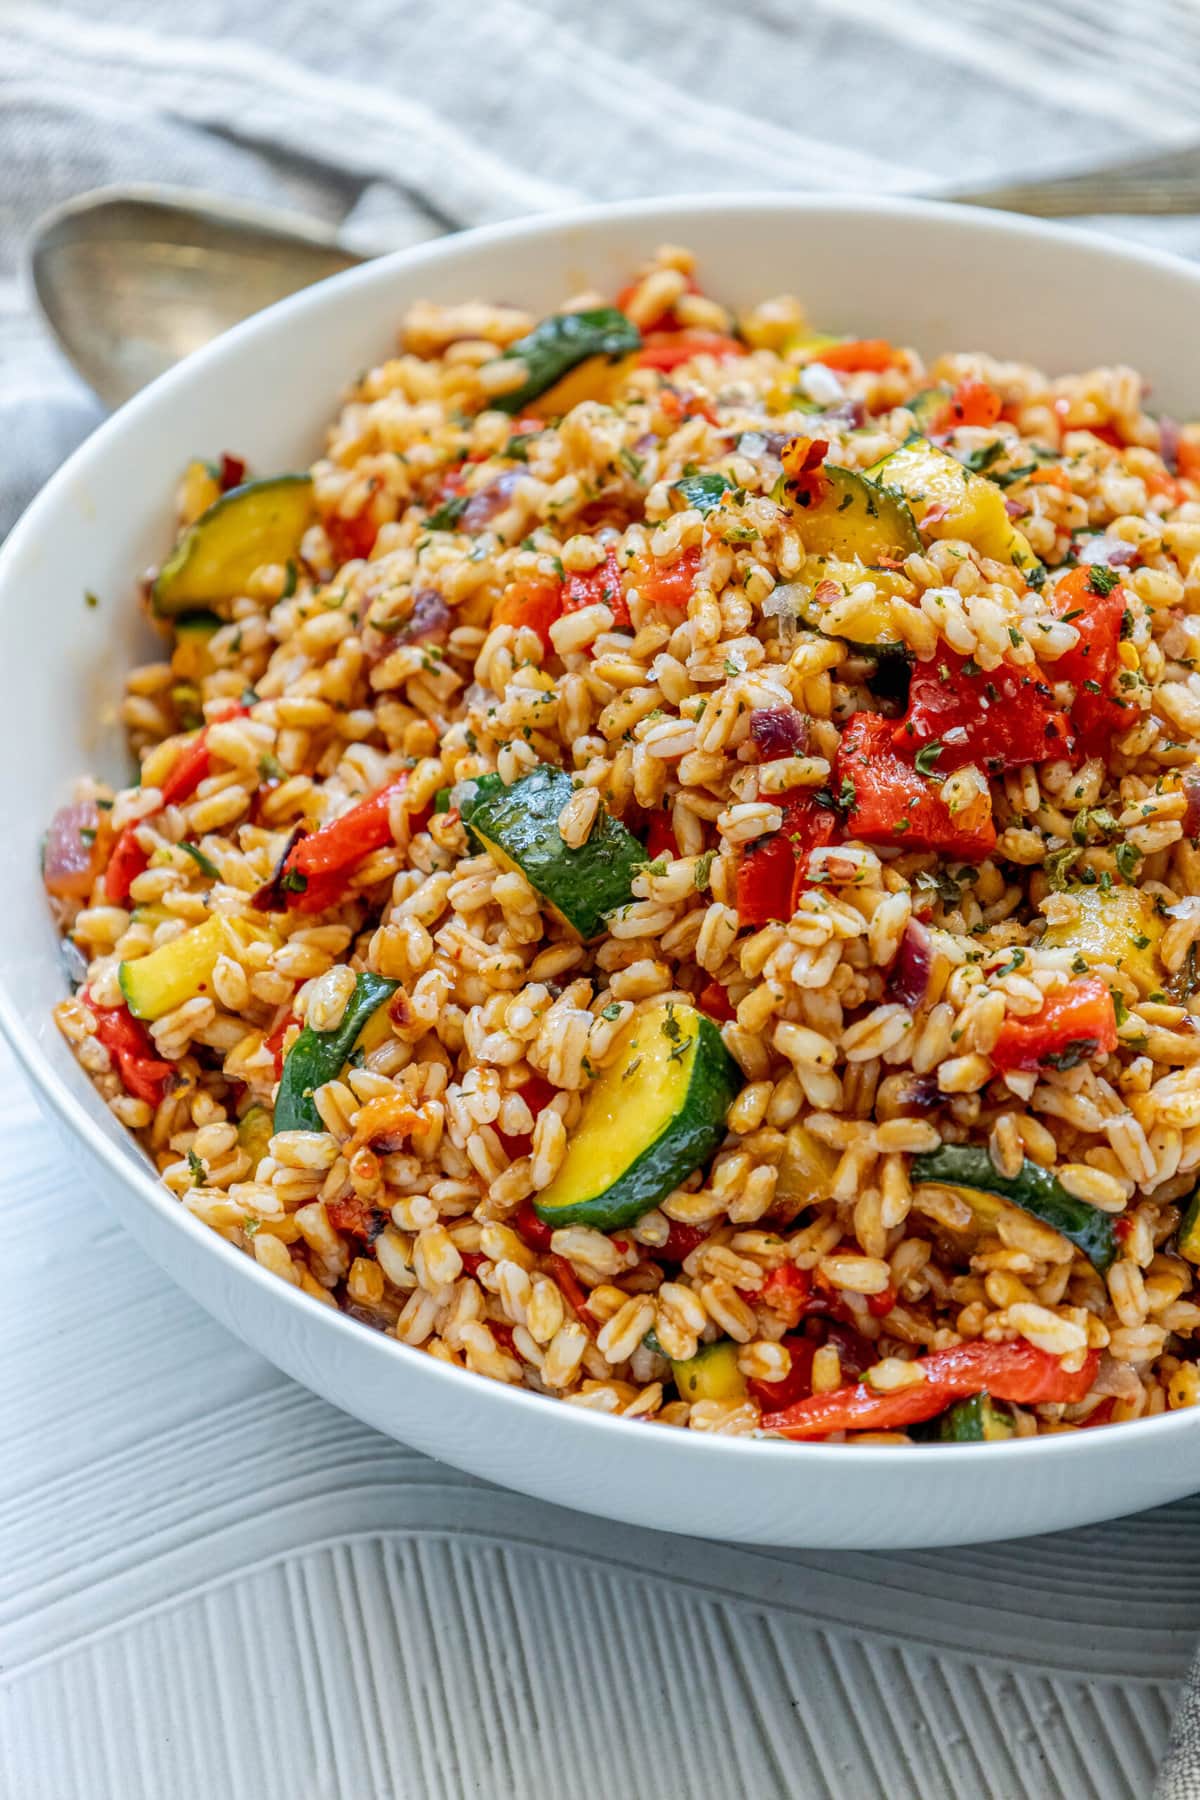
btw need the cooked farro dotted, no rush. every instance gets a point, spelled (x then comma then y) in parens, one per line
(641, 668)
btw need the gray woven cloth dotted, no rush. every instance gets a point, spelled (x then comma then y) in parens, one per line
(400, 120)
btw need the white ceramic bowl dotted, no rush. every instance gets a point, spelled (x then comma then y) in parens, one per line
(924, 274)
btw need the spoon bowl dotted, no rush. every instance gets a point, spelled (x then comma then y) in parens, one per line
(131, 280)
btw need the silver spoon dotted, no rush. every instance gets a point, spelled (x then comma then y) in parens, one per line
(132, 279)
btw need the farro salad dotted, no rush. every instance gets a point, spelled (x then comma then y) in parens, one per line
(665, 871)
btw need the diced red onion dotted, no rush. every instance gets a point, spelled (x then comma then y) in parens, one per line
(1191, 809)
(482, 507)
(1168, 443)
(70, 849)
(1113, 551)
(908, 979)
(429, 619)
(1013, 508)
(778, 731)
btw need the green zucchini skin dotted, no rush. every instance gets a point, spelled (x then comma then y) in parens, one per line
(975, 1421)
(926, 406)
(316, 1056)
(274, 511)
(1188, 1235)
(560, 343)
(521, 821)
(1035, 1190)
(690, 1139)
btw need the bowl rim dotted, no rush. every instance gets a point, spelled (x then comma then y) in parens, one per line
(58, 1091)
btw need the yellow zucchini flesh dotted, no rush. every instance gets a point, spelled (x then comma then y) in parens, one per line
(712, 1374)
(260, 522)
(1118, 929)
(651, 1118)
(851, 518)
(949, 501)
(182, 969)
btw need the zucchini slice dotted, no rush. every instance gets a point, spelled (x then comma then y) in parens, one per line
(712, 1374)
(979, 1420)
(806, 1171)
(259, 522)
(854, 518)
(518, 827)
(1188, 1235)
(968, 506)
(651, 1118)
(596, 378)
(874, 632)
(191, 660)
(255, 1130)
(1035, 1190)
(926, 406)
(157, 983)
(559, 344)
(318, 1056)
(1119, 929)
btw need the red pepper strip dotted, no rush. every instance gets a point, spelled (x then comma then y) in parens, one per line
(574, 1293)
(857, 353)
(972, 403)
(796, 1384)
(530, 1229)
(502, 1332)
(127, 862)
(1000, 718)
(772, 873)
(132, 1049)
(1187, 459)
(681, 1241)
(666, 350)
(666, 585)
(714, 1000)
(275, 1042)
(1092, 665)
(660, 836)
(536, 1093)
(685, 405)
(318, 868)
(536, 602)
(1076, 1023)
(1016, 1372)
(601, 584)
(893, 804)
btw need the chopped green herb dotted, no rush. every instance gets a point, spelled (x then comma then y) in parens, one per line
(1077, 1051)
(270, 768)
(703, 870)
(1128, 856)
(925, 758)
(90, 599)
(612, 1011)
(204, 863)
(291, 579)
(1101, 579)
(448, 514)
(196, 1168)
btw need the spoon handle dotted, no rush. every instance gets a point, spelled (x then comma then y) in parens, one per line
(1159, 185)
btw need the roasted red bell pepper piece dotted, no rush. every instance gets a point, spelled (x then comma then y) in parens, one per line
(787, 1291)
(351, 539)
(714, 1000)
(872, 354)
(601, 584)
(1076, 1023)
(660, 836)
(530, 1229)
(894, 804)
(772, 873)
(973, 402)
(355, 1217)
(668, 585)
(535, 601)
(1000, 718)
(1016, 1372)
(1094, 602)
(232, 472)
(802, 458)
(127, 862)
(536, 1093)
(681, 1241)
(318, 867)
(796, 1384)
(666, 350)
(131, 1047)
